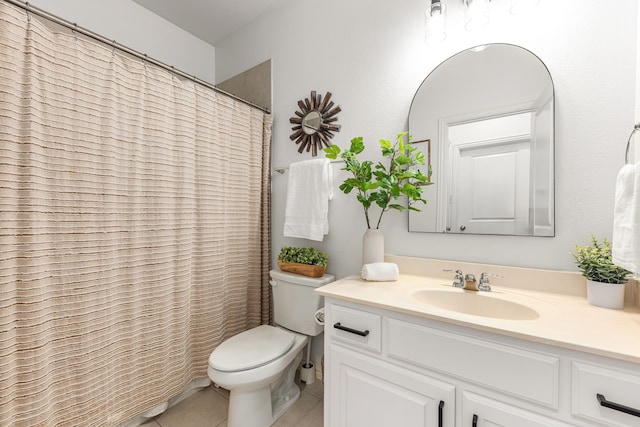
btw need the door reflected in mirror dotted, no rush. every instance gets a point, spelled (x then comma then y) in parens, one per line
(490, 117)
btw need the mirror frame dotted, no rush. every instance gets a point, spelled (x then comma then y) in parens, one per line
(432, 219)
(310, 137)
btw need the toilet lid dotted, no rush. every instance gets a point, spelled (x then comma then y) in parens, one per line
(250, 349)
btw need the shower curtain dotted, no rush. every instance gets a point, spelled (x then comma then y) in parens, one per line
(134, 228)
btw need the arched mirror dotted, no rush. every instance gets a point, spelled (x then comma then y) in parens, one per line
(487, 114)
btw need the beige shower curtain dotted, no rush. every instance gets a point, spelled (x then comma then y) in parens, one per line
(134, 228)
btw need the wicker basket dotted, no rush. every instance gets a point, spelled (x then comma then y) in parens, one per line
(303, 269)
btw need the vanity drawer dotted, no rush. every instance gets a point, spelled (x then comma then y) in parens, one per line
(355, 327)
(614, 386)
(484, 362)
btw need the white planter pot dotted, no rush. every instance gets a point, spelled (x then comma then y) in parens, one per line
(608, 295)
(372, 246)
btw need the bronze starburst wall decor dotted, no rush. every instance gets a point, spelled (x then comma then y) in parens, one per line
(315, 123)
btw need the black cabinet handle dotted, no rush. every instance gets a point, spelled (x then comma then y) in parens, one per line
(474, 423)
(616, 406)
(353, 331)
(440, 406)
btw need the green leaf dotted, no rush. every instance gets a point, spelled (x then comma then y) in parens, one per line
(346, 188)
(332, 152)
(402, 160)
(397, 207)
(385, 144)
(365, 202)
(357, 145)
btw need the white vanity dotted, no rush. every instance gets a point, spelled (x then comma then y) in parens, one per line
(399, 354)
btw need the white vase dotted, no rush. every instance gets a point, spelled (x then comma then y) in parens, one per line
(372, 246)
(608, 295)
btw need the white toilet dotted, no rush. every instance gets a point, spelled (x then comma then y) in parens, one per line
(258, 366)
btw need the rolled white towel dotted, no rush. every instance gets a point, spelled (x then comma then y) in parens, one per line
(380, 272)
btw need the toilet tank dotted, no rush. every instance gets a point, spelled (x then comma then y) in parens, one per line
(295, 302)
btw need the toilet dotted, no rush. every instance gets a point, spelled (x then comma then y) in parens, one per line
(258, 366)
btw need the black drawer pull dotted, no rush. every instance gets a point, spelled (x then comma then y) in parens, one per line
(616, 406)
(474, 423)
(440, 419)
(353, 331)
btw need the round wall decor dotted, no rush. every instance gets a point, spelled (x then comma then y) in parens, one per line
(314, 124)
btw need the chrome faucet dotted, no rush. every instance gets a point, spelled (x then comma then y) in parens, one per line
(470, 283)
(484, 284)
(458, 281)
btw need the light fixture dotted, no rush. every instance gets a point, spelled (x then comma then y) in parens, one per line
(434, 22)
(477, 15)
(522, 6)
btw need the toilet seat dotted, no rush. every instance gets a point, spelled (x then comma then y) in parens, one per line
(250, 349)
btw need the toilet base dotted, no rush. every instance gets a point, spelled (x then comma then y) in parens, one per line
(286, 391)
(263, 406)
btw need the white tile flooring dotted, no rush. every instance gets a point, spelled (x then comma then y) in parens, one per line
(208, 408)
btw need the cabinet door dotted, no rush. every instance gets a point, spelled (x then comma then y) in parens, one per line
(367, 392)
(479, 411)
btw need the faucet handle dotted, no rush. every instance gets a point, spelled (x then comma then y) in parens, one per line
(484, 284)
(458, 281)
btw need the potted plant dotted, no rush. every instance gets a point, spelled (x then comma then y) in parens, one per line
(382, 184)
(605, 280)
(306, 261)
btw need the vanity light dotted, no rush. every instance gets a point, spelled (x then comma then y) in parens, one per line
(434, 23)
(522, 6)
(477, 15)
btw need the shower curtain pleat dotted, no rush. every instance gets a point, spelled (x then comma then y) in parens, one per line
(134, 228)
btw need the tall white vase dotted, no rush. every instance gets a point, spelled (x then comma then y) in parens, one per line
(372, 246)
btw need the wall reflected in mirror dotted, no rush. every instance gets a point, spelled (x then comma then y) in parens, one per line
(489, 113)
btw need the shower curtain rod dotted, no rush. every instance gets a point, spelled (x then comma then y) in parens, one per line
(74, 27)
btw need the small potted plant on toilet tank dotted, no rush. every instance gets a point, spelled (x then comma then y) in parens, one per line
(605, 280)
(306, 261)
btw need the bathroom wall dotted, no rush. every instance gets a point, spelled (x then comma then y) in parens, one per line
(132, 25)
(370, 54)
(254, 85)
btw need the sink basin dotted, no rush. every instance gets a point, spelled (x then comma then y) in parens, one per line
(483, 304)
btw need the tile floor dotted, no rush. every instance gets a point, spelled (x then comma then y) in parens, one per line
(208, 408)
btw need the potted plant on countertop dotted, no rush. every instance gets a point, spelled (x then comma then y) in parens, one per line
(306, 261)
(605, 280)
(382, 184)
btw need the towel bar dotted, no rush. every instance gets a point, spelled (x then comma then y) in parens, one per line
(283, 169)
(626, 153)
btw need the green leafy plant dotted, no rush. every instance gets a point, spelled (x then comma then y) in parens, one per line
(308, 256)
(381, 184)
(596, 263)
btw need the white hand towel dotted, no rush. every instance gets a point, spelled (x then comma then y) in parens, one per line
(310, 187)
(380, 272)
(625, 243)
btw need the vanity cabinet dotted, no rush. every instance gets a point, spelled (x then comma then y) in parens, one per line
(385, 368)
(371, 392)
(366, 390)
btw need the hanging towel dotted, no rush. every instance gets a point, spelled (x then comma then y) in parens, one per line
(625, 244)
(309, 190)
(380, 272)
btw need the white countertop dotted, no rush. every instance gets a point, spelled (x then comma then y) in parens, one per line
(565, 319)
